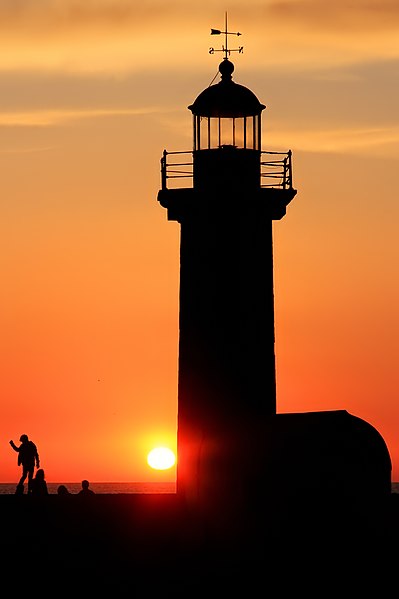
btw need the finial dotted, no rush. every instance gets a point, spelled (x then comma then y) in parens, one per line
(225, 48)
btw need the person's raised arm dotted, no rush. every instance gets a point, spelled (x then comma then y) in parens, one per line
(15, 448)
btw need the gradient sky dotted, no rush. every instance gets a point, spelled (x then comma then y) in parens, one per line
(91, 92)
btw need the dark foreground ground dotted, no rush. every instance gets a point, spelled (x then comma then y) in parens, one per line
(155, 546)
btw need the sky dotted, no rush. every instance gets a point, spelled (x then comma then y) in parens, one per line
(91, 93)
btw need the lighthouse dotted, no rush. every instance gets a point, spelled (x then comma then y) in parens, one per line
(225, 194)
(232, 446)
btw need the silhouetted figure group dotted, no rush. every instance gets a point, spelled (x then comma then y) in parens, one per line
(28, 458)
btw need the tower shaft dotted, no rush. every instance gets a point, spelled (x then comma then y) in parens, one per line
(226, 343)
(226, 379)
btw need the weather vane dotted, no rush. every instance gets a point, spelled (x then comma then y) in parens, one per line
(225, 48)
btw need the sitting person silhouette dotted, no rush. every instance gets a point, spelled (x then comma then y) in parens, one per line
(62, 490)
(27, 457)
(39, 484)
(85, 488)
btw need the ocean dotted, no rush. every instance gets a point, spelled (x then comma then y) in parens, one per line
(115, 488)
(104, 488)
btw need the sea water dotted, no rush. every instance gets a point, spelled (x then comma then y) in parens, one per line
(105, 488)
(112, 488)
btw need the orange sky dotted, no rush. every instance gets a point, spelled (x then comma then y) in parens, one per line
(90, 95)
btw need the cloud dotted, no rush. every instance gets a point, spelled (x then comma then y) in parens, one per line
(72, 35)
(338, 17)
(45, 118)
(30, 150)
(125, 36)
(369, 141)
(54, 16)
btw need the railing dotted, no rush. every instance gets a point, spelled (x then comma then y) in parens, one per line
(275, 170)
(173, 168)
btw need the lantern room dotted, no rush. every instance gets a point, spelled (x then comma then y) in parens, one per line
(227, 115)
(227, 135)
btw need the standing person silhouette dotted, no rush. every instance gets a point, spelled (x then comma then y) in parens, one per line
(27, 457)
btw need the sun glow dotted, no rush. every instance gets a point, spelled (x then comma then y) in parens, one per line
(161, 458)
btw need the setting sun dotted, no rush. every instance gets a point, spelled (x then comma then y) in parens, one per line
(161, 458)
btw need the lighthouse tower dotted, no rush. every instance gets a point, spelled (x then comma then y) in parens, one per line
(232, 193)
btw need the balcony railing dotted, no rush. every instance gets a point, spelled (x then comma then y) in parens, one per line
(275, 169)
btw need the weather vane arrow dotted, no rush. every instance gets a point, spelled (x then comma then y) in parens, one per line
(225, 48)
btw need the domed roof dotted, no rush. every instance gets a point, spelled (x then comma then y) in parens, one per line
(226, 98)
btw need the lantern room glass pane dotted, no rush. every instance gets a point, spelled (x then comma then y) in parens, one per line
(226, 132)
(214, 132)
(249, 132)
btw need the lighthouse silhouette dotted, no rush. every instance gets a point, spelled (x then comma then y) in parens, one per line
(234, 450)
